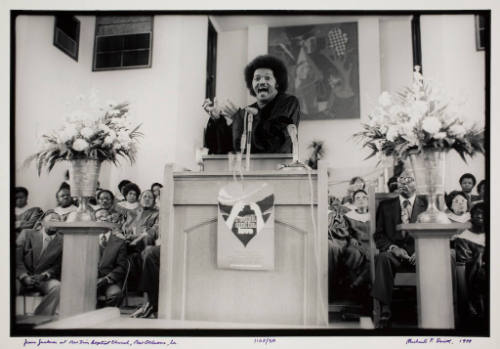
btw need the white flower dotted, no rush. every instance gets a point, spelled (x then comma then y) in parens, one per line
(392, 133)
(123, 137)
(457, 130)
(421, 107)
(67, 133)
(109, 140)
(431, 125)
(117, 145)
(80, 144)
(104, 128)
(385, 99)
(439, 135)
(87, 132)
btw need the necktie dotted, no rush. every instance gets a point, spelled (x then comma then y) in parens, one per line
(103, 241)
(405, 214)
(46, 242)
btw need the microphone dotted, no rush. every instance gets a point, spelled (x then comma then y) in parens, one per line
(292, 132)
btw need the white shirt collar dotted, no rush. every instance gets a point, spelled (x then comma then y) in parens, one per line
(411, 199)
(107, 235)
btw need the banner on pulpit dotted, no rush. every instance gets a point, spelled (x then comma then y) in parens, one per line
(245, 226)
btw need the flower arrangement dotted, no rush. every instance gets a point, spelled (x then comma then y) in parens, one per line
(418, 119)
(101, 133)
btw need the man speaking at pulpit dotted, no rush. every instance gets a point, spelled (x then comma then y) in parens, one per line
(266, 120)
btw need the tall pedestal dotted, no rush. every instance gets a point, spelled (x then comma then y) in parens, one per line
(434, 278)
(79, 265)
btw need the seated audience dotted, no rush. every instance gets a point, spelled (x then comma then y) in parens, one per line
(467, 182)
(470, 251)
(64, 202)
(140, 230)
(131, 193)
(397, 248)
(458, 207)
(266, 79)
(150, 283)
(356, 254)
(481, 188)
(121, 186)
(26, 216)
(156, 189)
(355, 184)
(106, 205)
(141, 223)
(112, 266)
(38, 264)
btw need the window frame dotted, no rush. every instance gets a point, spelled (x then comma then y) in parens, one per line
(121, 67)
(77, 40)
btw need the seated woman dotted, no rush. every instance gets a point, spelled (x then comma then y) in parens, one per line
(140, 227)
(26, 216)
(356, 253)
(140, 231)
(470, 251)
(458, 206)
(131, 193)
(65, 203)
(355, 184)
(106, 205)
(266, 79)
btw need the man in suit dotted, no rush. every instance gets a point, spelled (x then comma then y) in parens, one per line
(396, 247)
(112, 267)
(38, 265)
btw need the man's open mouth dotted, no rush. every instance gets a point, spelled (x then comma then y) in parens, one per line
(262, 89)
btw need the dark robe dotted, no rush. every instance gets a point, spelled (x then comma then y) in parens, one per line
(269, 128)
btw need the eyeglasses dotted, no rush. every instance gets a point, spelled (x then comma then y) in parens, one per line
(406, 180)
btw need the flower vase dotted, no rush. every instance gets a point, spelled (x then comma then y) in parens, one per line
(84, 174)
(429, 170)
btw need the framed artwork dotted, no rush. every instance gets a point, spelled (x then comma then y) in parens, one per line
(323, 68)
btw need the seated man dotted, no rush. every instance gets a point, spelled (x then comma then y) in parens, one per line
(26, 216)
(38, 264)
(112, 265)
(150, 283)
(64, 202)
(396, 247)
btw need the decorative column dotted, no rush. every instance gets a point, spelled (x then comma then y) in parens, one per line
(434, 278)
(79, 265)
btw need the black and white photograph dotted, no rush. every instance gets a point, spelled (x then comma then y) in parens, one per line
(271, 175)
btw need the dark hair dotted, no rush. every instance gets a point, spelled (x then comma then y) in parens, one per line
(468, 175)
(105, 191)
(267, 61)
(481, 184)
(21, 190)
(449, 198)
(358, 191)
(354, 179)
(123, 184)
(131, 186)
(63, 187)
(392, 184)
(156, 184)
(479, 205)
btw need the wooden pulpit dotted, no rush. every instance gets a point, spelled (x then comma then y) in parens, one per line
(79, 265)
(194, 288)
